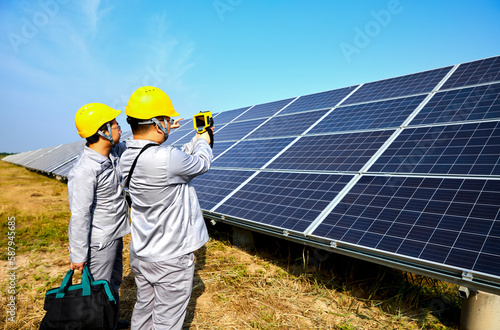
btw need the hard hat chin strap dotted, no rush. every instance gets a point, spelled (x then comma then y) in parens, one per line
(164, 129)
(107, 137)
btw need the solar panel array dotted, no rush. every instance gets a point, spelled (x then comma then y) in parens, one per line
(403, 171)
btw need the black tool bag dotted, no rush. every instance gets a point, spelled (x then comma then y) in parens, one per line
(88, 305)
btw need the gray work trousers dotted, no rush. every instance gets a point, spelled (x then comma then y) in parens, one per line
(163, 292)
(107, 264)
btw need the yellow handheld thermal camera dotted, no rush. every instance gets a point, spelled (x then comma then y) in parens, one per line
(202, 121)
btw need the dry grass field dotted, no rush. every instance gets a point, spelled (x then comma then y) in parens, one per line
(275, 285)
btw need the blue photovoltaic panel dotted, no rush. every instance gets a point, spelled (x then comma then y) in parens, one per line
(477, 72)
(383, 114)
(57, 156)
(264, 110)
(317, 101)
(285, 200)
(451, 149)
(338, 152)
(220, 147)
(181, 140)
(475, 103)
(287, 125)
(215, 185)
(422, 82)
(35, 155)
(455, 222)
(187, 123)
(236, 131)
(64, 169)
(177, 134)
(17, 158)
(252, 154)
(227, 116)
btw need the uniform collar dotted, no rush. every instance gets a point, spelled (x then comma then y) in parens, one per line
(138, 144)
(94, 155)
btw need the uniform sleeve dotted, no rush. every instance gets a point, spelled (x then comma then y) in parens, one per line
(183, 167)
(189, 147)
(81, 191)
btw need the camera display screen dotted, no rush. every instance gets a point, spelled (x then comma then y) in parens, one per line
(200, 121)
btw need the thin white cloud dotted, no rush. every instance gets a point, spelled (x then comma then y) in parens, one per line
(90, 9)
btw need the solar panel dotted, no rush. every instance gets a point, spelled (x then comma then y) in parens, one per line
(422, 82)
(181, 137)
(317, 101)
(466, 149)
(220, 147)
(264, 110)
(227, 116)
(35, 155)
(338, 152)
(475, 103)
(57, 156)
(476, 72)
(382, 114)
(185, 132)
(226, 181)
(287, 125)
(252, 154)
(236, 130)
(15, 159)
(64, 169)
(455, 222)
(285, 200)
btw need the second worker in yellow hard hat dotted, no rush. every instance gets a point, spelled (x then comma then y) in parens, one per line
(99, 213)
(167, 223)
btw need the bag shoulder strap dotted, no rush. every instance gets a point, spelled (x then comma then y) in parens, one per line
(135, 162)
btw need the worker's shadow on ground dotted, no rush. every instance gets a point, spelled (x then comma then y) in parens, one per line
(198, 287)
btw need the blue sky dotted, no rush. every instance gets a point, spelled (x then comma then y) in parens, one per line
(57, 55)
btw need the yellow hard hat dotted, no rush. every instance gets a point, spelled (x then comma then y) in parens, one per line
(148, 102)
(91, 116)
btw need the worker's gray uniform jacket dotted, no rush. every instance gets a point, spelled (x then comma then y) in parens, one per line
(99, 212)
(166, 216)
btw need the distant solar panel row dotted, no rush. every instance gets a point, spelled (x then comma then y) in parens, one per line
(400, 167)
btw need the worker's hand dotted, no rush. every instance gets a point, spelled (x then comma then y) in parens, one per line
(78, 266)
(176, 123)
(204, 135)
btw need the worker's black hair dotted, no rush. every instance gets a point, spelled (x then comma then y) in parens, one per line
(136, 128)
(95, 138)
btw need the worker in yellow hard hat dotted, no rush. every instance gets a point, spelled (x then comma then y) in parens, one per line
(167, 223)
(99, 212)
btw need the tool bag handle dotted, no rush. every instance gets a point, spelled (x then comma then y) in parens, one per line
(66, 283)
